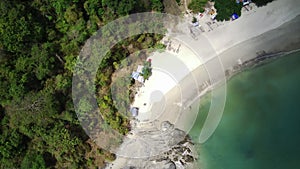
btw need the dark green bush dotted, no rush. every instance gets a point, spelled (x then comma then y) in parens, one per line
(197, 5)
(225, 8)
(261, 2)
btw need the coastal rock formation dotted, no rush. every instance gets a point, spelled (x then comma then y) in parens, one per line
(150, 147)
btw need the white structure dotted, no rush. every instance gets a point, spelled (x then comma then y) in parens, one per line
(140, 69)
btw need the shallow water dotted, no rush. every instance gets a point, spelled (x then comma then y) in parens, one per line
(260, 127)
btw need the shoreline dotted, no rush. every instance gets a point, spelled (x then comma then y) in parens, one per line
(260, 60)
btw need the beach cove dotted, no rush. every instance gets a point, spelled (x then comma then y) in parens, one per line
(233, 44)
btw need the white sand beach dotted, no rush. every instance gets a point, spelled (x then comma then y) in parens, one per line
(169, 67)
(179, 78)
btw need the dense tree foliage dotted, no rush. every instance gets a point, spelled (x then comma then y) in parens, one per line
(261, 2)
(197, 5)
(226, 8)
(147, 70)
(39, 43)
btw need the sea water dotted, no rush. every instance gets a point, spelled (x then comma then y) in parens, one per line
(260, 127)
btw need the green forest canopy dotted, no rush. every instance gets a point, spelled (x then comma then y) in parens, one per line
(197, 5)
(225, 8)
(39, 43)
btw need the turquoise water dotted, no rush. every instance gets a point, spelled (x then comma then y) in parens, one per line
(260, 127)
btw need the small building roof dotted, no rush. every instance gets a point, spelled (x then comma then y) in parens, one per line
(213, 16)
(135, 75)
(134, 111)
(140, 68)
(246, 2)
(196, 24)
(141, 79)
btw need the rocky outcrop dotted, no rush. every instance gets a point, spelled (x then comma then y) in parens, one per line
(162, 147)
